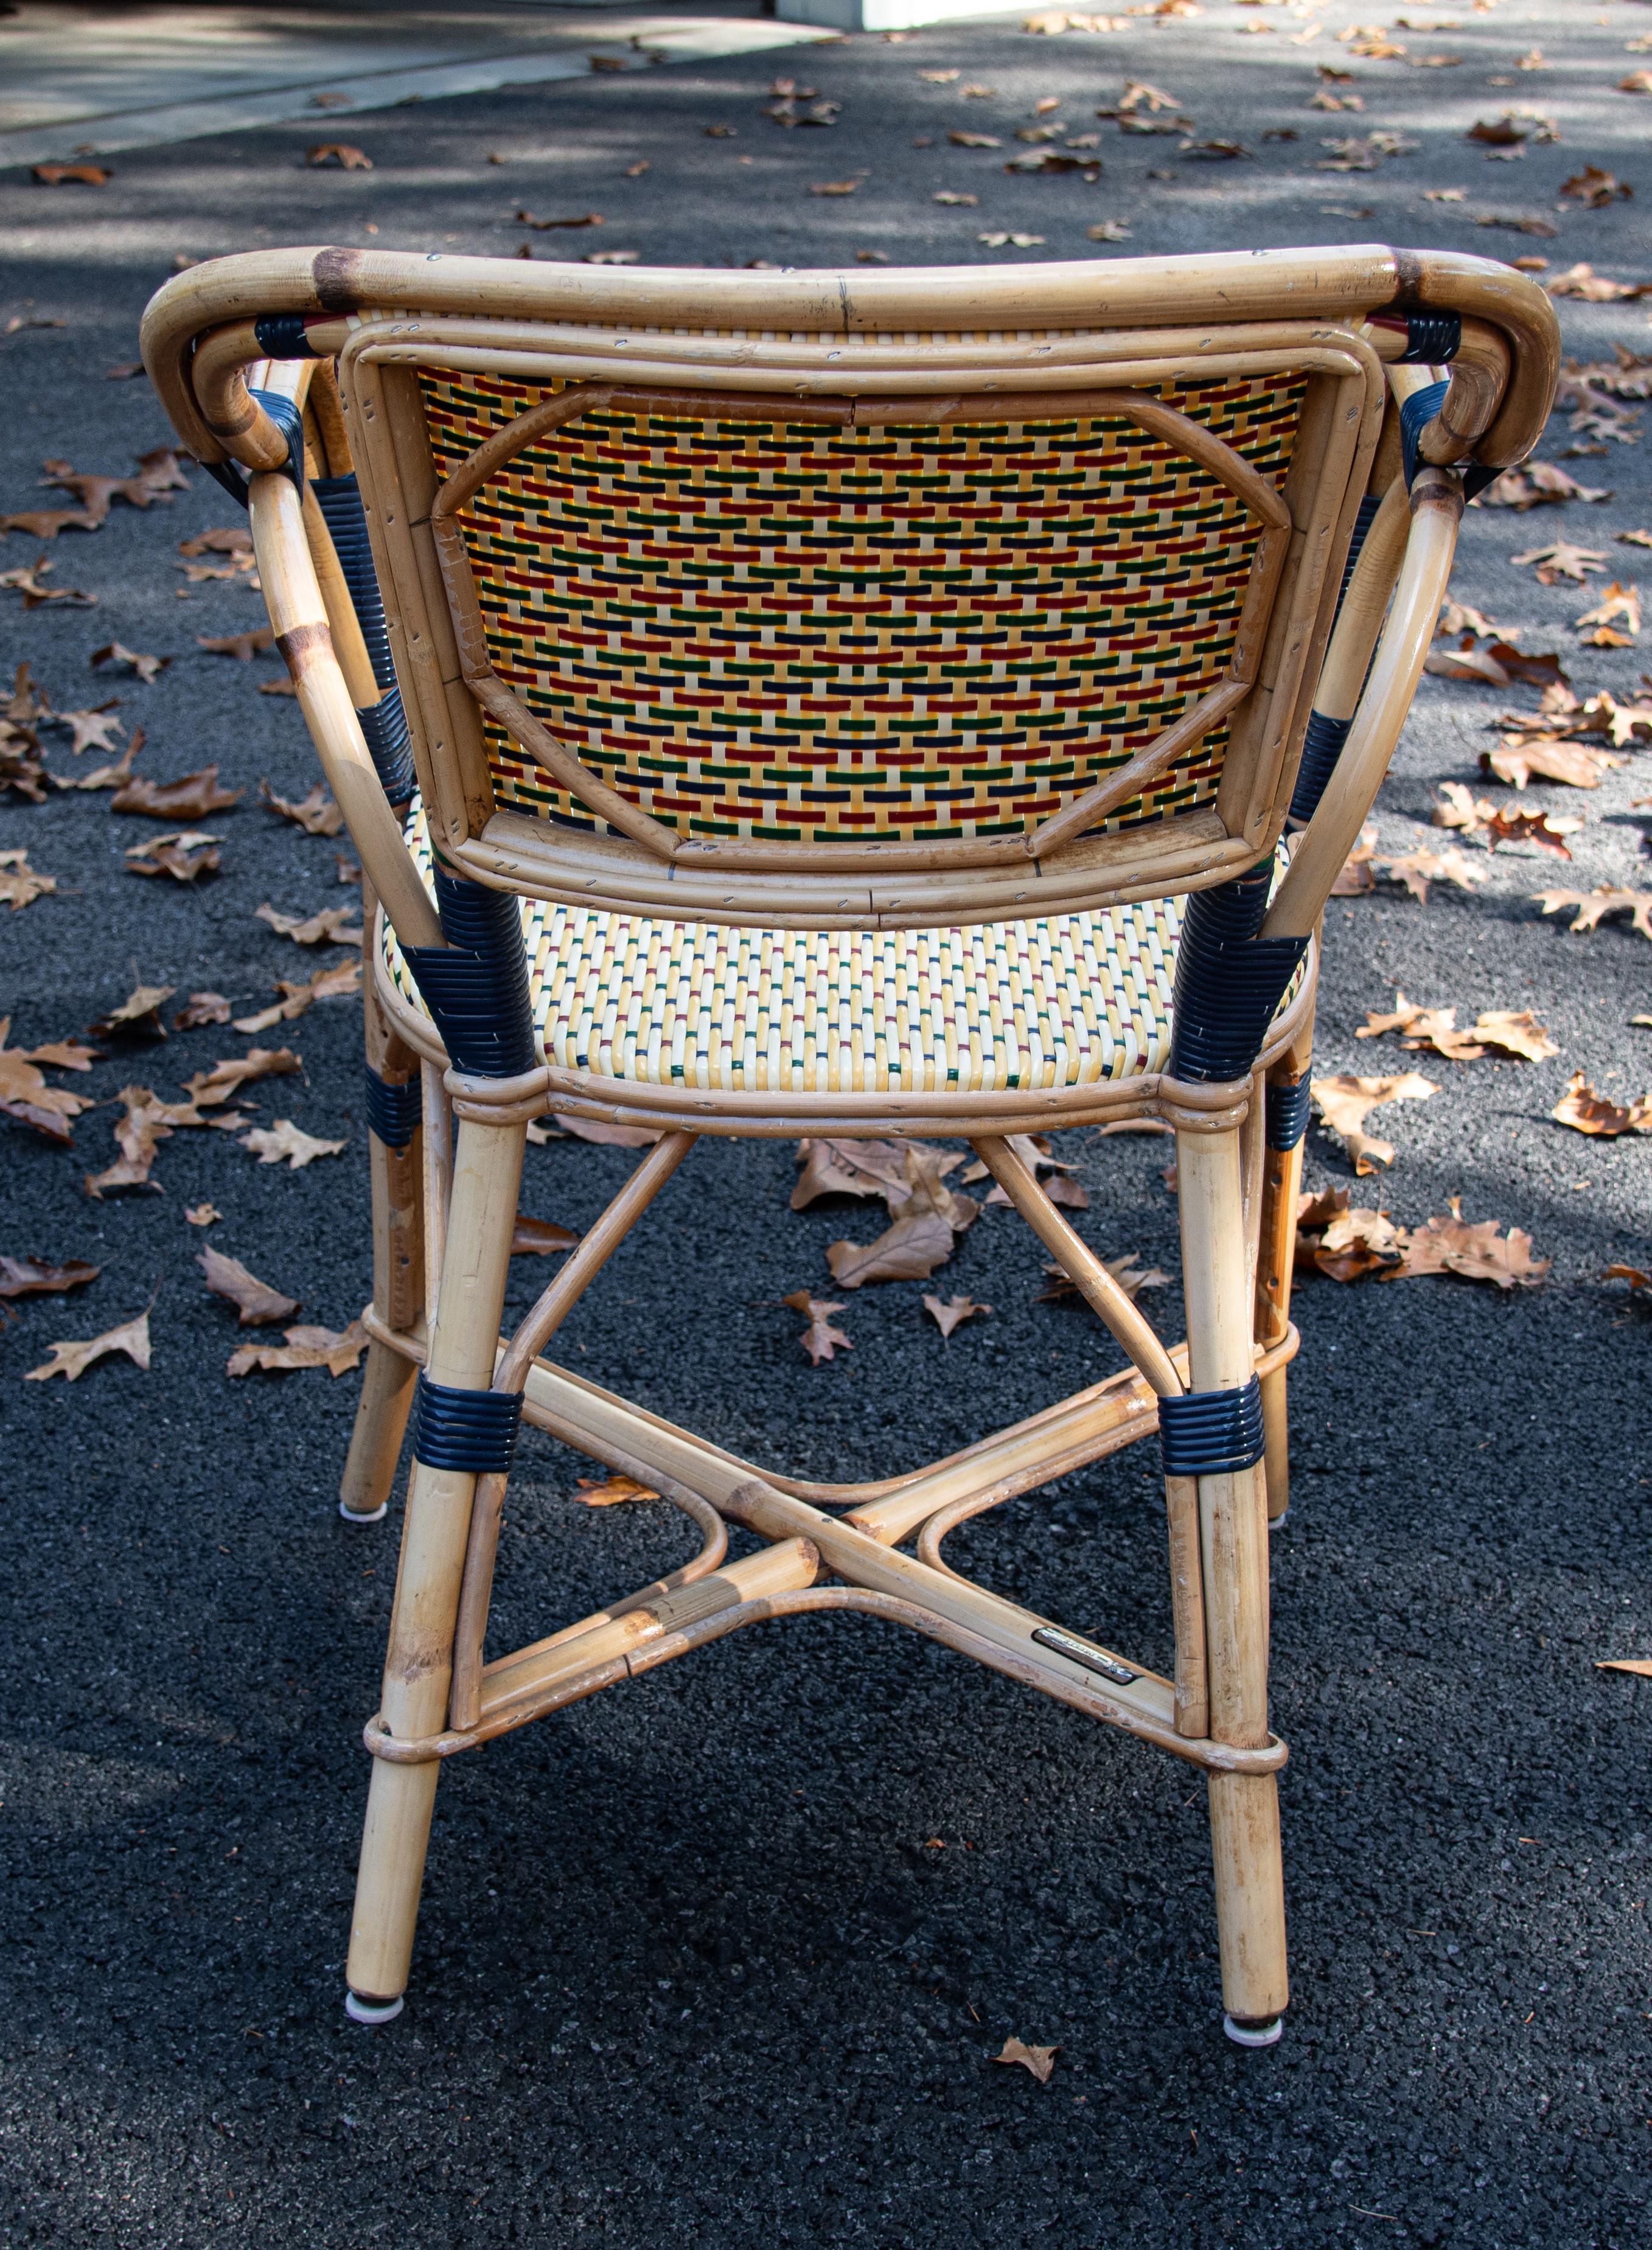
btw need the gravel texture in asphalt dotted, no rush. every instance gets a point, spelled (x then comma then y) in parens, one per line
(724, 1956)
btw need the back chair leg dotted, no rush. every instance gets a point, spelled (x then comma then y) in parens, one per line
(1276, 1261)
(1244, 1808)
(418, 1664)
(395, 1168)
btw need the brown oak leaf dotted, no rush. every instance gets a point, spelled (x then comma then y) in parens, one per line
(258, 1305)
(821, 1339)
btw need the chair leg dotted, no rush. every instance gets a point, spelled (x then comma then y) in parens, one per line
(399, 1279)
(419, 1664)
(1275, 1270)
(1244, 1808)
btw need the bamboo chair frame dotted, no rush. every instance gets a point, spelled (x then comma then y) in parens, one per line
(269, 358)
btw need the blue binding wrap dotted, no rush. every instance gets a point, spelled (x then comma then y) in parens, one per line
(1207, 1433)
(1320, 748)
(1364, 516)
(1414, 416)
(472, 1431)
(1288, 1108)
(476, 985)
(1432, 340)
(384, 724)
(1229, 982)
(393, 1112)
(280, 335)
(234, 475)
(390, 746)
(340, 499)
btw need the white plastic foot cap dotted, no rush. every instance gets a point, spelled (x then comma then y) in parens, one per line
(371, 2011)
(377, 1516)
(1254, 2035)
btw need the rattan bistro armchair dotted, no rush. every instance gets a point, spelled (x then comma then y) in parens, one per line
(853, 703)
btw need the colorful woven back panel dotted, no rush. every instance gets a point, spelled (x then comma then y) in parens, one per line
(800, 631)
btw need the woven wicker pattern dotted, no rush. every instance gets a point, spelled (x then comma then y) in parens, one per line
(805, 632)
(1064, 1001)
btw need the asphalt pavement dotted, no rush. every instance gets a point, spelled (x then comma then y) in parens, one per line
(724, 1956)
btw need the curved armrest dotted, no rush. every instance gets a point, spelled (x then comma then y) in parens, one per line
(299, 616)
(1317, 859)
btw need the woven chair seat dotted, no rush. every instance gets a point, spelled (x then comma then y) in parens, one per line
(1070, 1000)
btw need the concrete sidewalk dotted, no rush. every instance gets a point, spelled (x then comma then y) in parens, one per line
(80, 80)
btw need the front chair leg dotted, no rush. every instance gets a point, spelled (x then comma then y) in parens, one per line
(419, 1664)
(394, 1160)
(1244, 1808)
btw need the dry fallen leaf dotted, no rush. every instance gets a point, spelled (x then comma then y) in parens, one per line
(201, 1214)
(947, 1316)
(1639, 1665)
(1416, 870)
(202, 1008)
(258, 1304)
(1345, 1244)
(27, 581)
(1562, 560)
(148, 668)
(1128, 1271)
(545, 225)
(909, 1250)
(1594, 187)
(285, 1142)
(338, 153)
(1343, 1102)
(137, 1017)
(540, 1238)
(1040, 2060)
(820, 1340)
(972, 140)
(1546, 759)
(330, 926)
(1590, 907)
(341, 981)
(1479, 1253)
(609, 1491)
(1517, 1032)
(84, 176)
(1355, 877)
(843, 187)
(1586, 1111)
(73, 1359)
(305, 1346)
(232, 539)
(951, 195)
(33, 1277)
(209, 1088)
(188, 853)
(20, 884)
(1618, 605)
(316, 814)
(92, 728)
(193, 797)
(243, 647)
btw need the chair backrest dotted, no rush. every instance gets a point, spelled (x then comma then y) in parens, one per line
(914, 597)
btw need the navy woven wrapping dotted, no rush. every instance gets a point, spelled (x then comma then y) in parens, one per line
(280, 335)
(476, 985)
(1288, 1110)
(1432, 340)
(234, 475)
(1204, 1433)
(384, 724)
(1415, 415)
(1229, 982)
(474, 1431)
(1320, 748)
(1364, 516)
(393, 1112)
